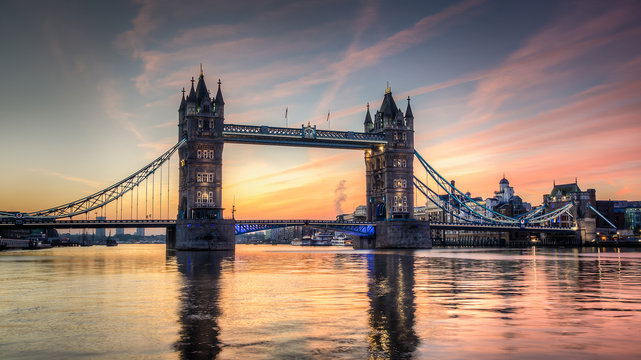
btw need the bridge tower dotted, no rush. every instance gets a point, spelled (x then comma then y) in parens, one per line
(200, 224)
(390, 178)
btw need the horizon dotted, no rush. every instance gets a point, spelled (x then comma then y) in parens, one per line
(544, 93)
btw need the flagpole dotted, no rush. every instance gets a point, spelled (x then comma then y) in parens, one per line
(329, 123)
(286, 108)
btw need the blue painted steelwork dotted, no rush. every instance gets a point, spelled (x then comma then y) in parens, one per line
(500, 219)
(444, 184)
(305, 136)
(601, 215)
(354, 228)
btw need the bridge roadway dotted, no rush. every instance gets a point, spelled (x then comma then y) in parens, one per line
(357, 227)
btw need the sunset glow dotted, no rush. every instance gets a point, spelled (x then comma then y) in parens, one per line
(539, 91)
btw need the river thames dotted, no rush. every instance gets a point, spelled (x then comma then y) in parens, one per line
(286, 302)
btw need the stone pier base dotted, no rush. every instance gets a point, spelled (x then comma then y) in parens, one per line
(170, 238)
(205, 235)
(403, 234)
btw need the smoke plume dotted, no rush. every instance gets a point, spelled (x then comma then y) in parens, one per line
(339, 196)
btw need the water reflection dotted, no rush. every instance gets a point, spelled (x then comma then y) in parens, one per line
(392, 306)
(199, 312)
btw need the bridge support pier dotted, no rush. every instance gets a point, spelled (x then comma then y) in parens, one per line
(403, 234)
(205, 235)
(586, 230)
(170, 238)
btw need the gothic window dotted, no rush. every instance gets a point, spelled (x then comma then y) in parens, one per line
(199, 198)
(210, 178)
(205, 200)
(211, 124)
(199, 177)
(404, 136)
(211, 197)
(199, 153)
(404, 163)
(200, 123)
(396, 136)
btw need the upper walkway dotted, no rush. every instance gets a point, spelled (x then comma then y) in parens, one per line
(304, 136)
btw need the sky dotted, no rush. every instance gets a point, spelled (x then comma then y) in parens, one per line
(541, 91)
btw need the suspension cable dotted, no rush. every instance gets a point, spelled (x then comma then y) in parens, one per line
(160, 193)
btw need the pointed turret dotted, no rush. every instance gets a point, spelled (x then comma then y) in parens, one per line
(219, 103)
(388, 108)
(368, 124)
(192, 92)
(408, 111)
(201, 89)
(219, 96)
(409, 116)
(182, 102)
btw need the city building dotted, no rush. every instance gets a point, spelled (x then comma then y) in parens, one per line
(505, 202)
(140, 232)
(564, 194)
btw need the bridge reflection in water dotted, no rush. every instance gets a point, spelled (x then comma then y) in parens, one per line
(392, 306)
(199, 312)
(389, 314)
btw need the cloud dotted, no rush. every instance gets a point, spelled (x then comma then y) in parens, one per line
(88, 182)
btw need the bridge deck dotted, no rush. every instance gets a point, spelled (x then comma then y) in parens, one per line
(87, 224)
(304, 136)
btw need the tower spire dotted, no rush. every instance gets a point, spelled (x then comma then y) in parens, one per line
(201, 69)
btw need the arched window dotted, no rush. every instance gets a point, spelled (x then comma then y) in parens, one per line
(199, 154)
(211, 197)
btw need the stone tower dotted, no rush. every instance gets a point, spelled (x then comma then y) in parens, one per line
(389, 169)
(200, 224)
(390, 178)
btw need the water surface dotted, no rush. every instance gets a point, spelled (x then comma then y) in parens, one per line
(138, 301)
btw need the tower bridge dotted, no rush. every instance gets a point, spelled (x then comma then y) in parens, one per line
(387, 141)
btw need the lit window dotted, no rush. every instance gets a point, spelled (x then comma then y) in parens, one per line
(199, 177)
(211, 124)
(199, 154)
(211, 154)
(211, 177)
(200, 123)
(404, 163)
(211, 197)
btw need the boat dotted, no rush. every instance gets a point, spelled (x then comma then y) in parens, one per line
(111, 242)
(341, 239)
(305, 241)
(322, 239)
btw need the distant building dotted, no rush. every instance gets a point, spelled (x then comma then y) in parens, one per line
(564, 194)
(120, 231)
(505, 202)
(359, 214)
(100, 233)
(633, 219)
(140, 232)
(420, 213)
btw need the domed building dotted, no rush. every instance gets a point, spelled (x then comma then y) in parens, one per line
(505, 202)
